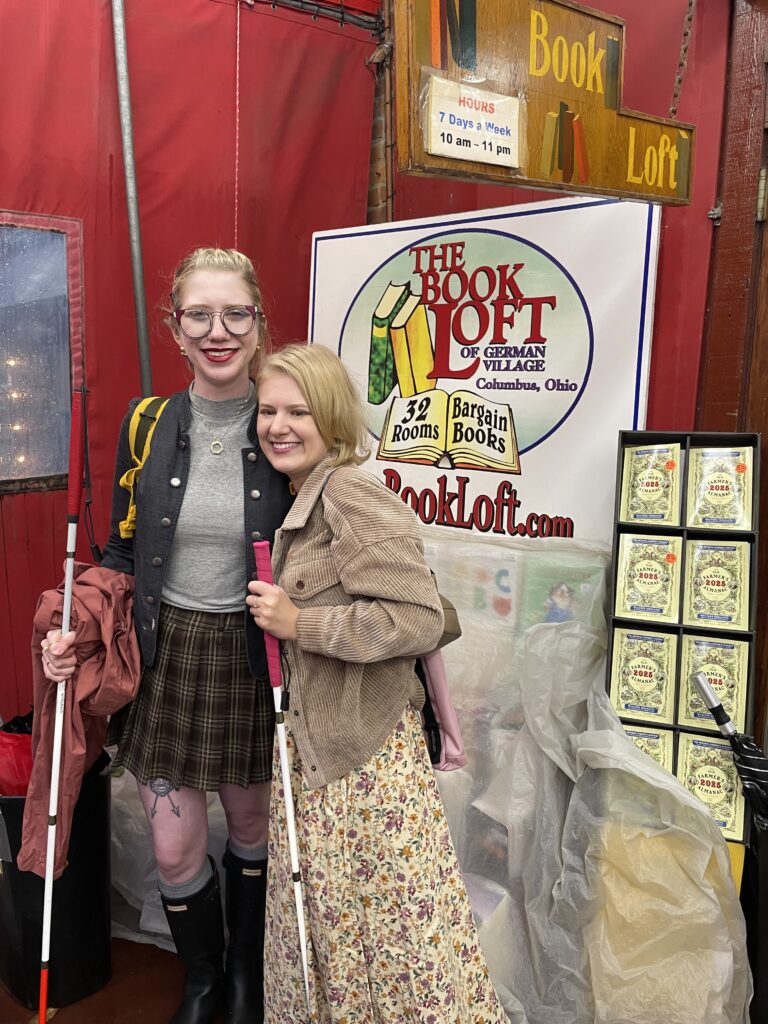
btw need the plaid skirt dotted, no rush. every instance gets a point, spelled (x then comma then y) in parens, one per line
(199, 718)
(390, 930)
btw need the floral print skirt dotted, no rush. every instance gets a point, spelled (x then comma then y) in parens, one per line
(390, 933)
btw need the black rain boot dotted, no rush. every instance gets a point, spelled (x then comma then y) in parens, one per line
(197, 928)
(246, 894)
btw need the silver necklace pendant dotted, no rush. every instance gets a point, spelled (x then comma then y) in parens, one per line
(220, 431)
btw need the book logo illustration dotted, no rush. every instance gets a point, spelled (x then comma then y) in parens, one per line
(401, 346)
(479, 347)
(564, 149)
(425, 424)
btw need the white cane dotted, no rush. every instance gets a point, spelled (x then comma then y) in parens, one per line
(264, 572)
(74, 494)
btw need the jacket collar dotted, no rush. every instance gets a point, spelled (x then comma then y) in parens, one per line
(310, 494)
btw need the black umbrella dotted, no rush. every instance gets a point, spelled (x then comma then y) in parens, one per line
(752, 766)
(751, 763)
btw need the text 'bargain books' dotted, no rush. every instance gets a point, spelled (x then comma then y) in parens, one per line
(462, 427)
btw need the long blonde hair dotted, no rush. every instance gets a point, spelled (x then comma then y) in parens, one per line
(330, 394)
(220, 259)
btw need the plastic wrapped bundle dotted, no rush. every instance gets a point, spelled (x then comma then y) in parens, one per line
(601, 887)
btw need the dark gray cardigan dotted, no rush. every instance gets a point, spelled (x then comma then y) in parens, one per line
(162, 482)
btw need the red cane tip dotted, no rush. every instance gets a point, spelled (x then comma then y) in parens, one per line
(43, 996)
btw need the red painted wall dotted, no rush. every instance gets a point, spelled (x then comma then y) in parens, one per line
(653, 36)
(306, 98)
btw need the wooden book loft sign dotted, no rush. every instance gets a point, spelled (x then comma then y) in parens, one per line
(528, 92)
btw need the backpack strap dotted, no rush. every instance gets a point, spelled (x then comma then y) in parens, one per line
(140, 430)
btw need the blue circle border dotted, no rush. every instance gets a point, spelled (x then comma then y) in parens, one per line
(531, 245)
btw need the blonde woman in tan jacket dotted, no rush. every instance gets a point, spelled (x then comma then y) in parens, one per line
(391, 932)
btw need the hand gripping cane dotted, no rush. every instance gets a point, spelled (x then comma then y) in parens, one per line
(264, 572)
(74, 494)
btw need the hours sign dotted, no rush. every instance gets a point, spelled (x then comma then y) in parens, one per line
(529, 93)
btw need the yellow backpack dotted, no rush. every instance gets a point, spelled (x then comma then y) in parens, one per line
(140, 430)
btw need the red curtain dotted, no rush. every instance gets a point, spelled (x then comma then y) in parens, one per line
(306, 106)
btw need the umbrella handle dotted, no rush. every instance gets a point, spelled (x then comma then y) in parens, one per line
(264, 573)
(708, 695)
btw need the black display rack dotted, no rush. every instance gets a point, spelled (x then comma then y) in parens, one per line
(687, 441)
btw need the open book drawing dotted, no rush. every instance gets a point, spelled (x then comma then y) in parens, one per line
(465, 428)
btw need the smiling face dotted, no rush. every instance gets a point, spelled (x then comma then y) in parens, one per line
(562, 596)
(220, 361)
(287, 432)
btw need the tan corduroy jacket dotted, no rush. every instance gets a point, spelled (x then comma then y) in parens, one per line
(350, 557)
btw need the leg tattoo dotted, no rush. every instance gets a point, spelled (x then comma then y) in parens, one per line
(163, 788)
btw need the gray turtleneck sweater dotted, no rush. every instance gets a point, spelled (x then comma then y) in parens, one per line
(205, 570)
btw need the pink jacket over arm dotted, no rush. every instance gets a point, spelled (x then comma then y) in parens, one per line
(106, 678)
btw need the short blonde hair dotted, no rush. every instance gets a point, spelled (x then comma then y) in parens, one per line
(330, 394)
(207, 258)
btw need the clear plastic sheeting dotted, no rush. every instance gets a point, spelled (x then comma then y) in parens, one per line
(601, 887)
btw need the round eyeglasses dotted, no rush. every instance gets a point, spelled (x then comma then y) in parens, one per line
(197, 324)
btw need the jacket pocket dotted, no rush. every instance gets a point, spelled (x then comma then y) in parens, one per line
(304, 580)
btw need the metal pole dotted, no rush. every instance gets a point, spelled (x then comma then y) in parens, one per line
(126, 131)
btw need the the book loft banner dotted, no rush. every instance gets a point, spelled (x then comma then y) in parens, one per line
(499, 353)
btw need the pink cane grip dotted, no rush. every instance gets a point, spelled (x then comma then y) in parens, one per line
(264, 573)
(75, 483)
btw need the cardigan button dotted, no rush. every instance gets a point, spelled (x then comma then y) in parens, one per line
(182, 443)
(252, 456)
(255, 495)
(157, 560)
(296, 713)
(165, 521)
(149, 599)
(175, 482)
(256, 535)
(299, 584)
(313, 769)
